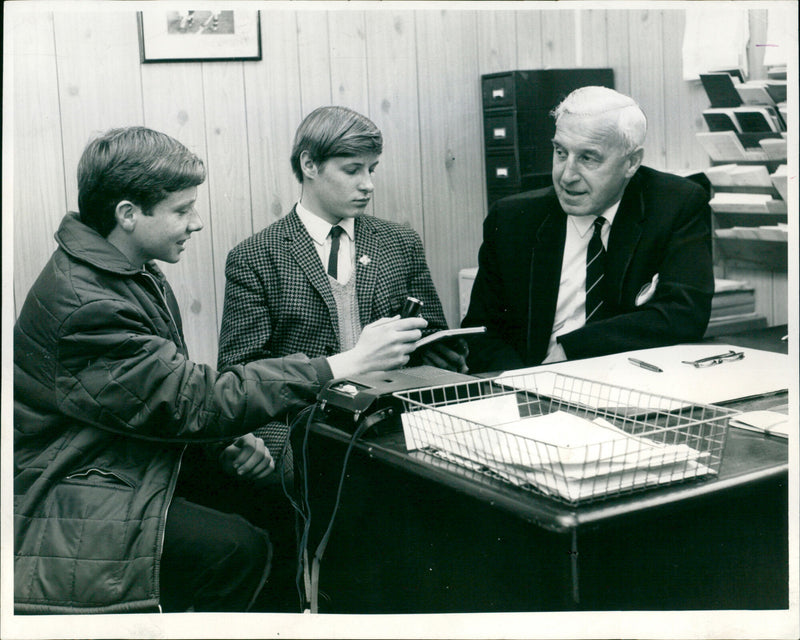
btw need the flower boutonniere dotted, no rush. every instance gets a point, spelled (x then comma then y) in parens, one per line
(365, 260)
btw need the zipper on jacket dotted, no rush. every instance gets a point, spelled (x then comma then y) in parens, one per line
(162, 534)
(163, 298)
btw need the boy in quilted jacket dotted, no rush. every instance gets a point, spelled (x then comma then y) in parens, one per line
(107, 401)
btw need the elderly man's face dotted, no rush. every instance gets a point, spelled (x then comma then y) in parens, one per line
(590, 165)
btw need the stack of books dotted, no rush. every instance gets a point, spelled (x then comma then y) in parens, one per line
(733, 202)
(732, 307)
(732, 297)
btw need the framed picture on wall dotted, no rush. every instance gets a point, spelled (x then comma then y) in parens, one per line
(187, 35)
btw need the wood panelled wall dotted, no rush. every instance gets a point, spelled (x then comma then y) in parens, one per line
(415, 73)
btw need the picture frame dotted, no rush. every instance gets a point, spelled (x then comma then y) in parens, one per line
(185, 35)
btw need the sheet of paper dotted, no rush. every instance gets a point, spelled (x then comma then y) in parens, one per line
(769, 422)
(757, 373)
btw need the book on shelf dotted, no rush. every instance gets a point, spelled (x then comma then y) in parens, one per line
(754, 92)
(733, 298)
(723, 285)
(776, 72)
(747, 119)
(736, 310)
(735, 324)
(737, 175)
(774, 148)
(773, 233)
(735, 202)
(777, 232)
(776, 90)
(725, 146)
(720, 87)
(721, 119)
(732, 301)
(757, 119)
(780, 182)
(777, 206)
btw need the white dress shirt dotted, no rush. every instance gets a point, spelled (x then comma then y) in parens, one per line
(571, 304)
(319, 230)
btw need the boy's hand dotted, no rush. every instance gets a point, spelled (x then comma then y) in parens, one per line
(447, 354)
(383, 345)
(247, 457)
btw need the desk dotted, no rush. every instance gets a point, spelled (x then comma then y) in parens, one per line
(416, 534)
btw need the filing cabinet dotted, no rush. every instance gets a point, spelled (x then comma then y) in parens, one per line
(518, 128)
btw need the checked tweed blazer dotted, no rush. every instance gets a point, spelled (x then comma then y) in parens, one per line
(278, 299)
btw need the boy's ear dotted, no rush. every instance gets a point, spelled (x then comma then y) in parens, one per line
(125, 214)
(308, 166)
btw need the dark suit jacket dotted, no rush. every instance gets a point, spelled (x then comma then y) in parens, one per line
(662, 226)
(278, 299)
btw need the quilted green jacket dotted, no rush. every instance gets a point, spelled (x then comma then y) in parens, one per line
(105, 400)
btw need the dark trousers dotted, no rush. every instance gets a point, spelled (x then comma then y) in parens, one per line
(212, 561)
(243, 511)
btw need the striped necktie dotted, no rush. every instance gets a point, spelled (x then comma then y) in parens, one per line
(595, 269)
(333, 258)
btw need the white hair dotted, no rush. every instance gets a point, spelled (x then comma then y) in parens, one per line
(630, 122)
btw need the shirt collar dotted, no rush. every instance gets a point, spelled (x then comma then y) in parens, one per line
(582, 224)
(318, 229)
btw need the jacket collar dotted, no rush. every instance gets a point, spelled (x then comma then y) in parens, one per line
(86, 245)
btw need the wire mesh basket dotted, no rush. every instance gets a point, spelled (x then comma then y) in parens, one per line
(572, 439)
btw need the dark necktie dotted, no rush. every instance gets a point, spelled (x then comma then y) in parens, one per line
(333, 259)
(595, 269)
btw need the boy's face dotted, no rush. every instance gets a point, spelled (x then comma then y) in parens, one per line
(341, 187)
(163, 234)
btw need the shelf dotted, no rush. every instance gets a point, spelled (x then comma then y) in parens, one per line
(749, 253)
(735, 324)
(727, 219)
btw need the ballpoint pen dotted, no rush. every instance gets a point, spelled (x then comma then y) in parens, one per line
(645, 365)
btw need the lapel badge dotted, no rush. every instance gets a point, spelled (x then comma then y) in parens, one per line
(365, 260)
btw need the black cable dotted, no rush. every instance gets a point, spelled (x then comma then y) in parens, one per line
(304, 510)
(314, 600)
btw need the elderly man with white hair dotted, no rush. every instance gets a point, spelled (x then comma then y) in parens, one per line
(615, 256)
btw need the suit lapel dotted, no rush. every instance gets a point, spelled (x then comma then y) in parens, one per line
(544, 280)
(301, 247)
(368, 254)
(625, 234)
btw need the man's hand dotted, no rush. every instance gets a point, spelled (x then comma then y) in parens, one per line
(447, 354)
(383, 345)
(247, 457)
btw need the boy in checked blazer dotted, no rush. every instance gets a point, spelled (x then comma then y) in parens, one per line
(327, 279)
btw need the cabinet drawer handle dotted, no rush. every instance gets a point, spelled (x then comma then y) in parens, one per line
(498, 93)
(501, 172)
(499, 133)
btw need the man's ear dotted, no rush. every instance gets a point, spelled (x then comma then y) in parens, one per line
(308, 166)
(635, 158)
(125, 214)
